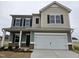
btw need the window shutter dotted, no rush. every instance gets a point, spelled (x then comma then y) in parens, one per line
(24, 23)
(48, 18)
(21, 22)
(14, 22)
(31, 22)
(62, 19)
(13, 38)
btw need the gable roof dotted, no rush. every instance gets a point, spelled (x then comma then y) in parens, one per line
(69, 10)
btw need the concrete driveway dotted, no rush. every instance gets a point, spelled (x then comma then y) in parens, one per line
(54, 54)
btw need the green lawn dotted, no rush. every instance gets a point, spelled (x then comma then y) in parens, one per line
(76, 46)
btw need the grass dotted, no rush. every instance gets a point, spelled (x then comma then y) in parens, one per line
(75, 47)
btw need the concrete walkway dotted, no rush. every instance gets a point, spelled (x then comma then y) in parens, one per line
(54, 54)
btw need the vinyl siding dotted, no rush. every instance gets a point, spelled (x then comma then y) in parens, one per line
(58, 11)
(34, 25)
(32, 37)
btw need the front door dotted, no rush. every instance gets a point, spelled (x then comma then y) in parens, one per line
(27, 40)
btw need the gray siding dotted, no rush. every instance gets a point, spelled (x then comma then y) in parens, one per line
(20, 16)
(32, 37)
(69, 37)
(11, 37)
(23, 37)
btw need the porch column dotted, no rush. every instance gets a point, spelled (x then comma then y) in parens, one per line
(20, 36)
(3, 38)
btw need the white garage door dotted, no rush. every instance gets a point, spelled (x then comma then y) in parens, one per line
(50, 41)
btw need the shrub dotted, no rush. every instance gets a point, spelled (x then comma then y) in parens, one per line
(2, 48)
(16, 47)
(10, 46)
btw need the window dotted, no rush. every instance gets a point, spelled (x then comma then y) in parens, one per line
(16, 37)
(23, 38)
(55, 19)
(52, 19)
(27, 22)
(37, 20)
(17, 21)
(58, 19)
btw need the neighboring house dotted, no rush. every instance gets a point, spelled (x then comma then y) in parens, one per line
(6, 37)
(74, 39)
(0, 38)
(50, 29)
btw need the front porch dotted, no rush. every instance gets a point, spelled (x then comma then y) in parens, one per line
(22, 39)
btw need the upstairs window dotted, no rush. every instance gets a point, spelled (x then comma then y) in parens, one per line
(57, 19)
(52, 19)
(27, 22)
(37, 20)
(18, 22)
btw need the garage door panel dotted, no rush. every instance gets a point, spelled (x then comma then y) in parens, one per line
(49, 41)
(42, 43)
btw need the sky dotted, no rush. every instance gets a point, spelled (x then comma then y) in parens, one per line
(8, 8)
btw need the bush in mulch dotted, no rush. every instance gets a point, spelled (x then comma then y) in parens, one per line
(10, 47)
(1, 48)
(16, 47)
(22, 50)
(18, 50)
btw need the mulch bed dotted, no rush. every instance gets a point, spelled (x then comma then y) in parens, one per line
(15, 54)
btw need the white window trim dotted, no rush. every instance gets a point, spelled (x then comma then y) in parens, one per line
(60, 19)
(55, 18)
(23, 42)
(18, 18)
(50, 18)
(16, 22)
(25, 21)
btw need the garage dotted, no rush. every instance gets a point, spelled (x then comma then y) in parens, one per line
(50, 41)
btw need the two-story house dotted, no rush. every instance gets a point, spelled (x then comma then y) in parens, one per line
(50, 29)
